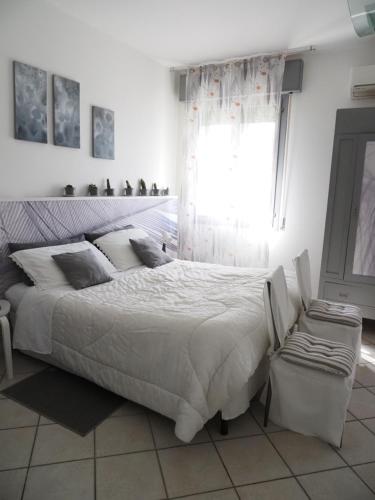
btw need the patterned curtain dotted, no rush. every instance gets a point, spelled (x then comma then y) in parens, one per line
(229, 159)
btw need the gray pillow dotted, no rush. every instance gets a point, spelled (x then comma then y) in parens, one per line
(81, 269)
(149, 252)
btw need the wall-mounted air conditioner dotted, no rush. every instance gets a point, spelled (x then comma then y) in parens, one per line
(363, 82)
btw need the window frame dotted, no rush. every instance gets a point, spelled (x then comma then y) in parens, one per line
(279, 221)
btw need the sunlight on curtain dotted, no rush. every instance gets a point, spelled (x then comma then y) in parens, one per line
(231, 130)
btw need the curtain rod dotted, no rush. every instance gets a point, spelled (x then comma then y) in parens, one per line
(289, 52)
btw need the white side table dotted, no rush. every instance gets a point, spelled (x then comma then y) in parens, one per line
(5, 332)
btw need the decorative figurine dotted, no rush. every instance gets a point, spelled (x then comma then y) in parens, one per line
(128, 191)
(165, 192)
(154, 190)
(142, 188)
(93, 190)
(69, 190)
(109, 191)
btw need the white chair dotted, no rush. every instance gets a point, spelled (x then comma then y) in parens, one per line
(310, 380)
(329, 320)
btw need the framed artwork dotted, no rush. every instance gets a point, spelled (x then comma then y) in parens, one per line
(103, 133)
(66, 112)
(30, 103)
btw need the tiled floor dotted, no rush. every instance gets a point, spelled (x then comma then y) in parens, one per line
(134, 454)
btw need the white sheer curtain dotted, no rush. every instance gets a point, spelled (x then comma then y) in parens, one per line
(230, 146)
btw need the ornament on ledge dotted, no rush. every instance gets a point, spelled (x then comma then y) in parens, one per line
(93, 190)
(109, 191)
(128, 191)
(154, 190)
(165, 191)
(69, 190)
(142, 188)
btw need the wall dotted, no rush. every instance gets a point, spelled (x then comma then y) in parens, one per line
(111, 75)
(326, 87)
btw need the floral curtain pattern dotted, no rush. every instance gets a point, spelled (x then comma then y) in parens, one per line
(229, 161)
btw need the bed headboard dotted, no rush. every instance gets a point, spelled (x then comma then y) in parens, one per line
(42, 219)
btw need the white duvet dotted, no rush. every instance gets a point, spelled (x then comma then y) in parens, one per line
(182, 339)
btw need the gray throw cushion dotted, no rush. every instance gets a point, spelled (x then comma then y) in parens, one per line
(149, 252)
(81, 269)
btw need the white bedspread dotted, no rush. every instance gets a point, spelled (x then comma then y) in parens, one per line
(182, 339)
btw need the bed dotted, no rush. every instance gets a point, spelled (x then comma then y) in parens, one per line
(186, 339)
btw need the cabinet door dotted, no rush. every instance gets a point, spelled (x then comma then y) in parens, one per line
(360, 259)
(339, 205)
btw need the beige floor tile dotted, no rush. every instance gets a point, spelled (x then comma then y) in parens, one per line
(135, 476)
(45, 421)
(13, 414)
(66, 481)
(244, 425)
(368, 336)
(370, 424)
(368, 353)
(305, 454)
(193, 469)
(257, 410)
(356, 385)
(11, 484)
(123, 434)
(349, 417)
(251, 460)
(365, 375)
(163, 429)
(15, 447)
(362, 403)
(56, 444)
(283, 489)
(341, 484)
(229, 494)
(358, 445)
(129, 408)
(367, 473)
(371, 389)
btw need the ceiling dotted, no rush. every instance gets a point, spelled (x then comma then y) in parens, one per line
(178, 32)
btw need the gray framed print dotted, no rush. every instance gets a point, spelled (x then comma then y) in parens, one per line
(103, 133)
(30, 103)
(66, 112)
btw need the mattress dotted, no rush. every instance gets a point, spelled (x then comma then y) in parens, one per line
(182, 339)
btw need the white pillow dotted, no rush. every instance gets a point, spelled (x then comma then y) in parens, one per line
(39, 265)
(117, 247)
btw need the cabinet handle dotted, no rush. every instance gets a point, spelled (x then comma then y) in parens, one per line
(341, 294)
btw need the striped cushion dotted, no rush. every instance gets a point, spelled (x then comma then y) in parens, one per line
(344, 314)
(320, 354)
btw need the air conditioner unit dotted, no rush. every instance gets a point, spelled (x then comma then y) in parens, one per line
(363, 82)
(362, 13)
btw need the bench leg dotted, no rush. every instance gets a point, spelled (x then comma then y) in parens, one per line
(224, 426)
(5, 330)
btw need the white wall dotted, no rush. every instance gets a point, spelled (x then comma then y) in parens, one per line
(111, 75)
(326, 88)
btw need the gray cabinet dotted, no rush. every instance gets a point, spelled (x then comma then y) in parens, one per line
(348, 261)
